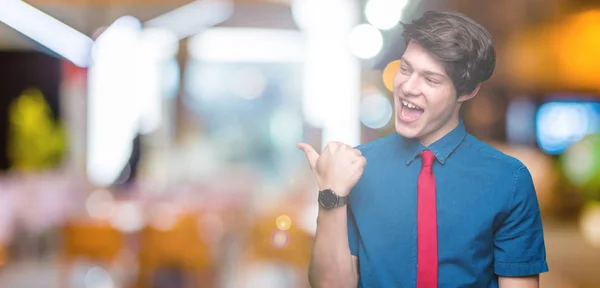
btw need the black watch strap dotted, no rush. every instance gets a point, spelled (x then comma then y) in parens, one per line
(343, 200)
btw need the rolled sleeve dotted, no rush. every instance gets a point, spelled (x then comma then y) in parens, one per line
(352, 233)
(519, 248)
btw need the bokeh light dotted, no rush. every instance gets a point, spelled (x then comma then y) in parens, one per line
(590, 224)
(164, 216)
(581, 163)
(365, 41)
(99, 204)
(560, 124)
(280, 239)
(375, 111)
(127, 217)
(578, 50)
(98, 277)
(389, 73)
(384, 14)
(283, 222)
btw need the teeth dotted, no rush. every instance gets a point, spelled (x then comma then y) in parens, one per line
(409, 105)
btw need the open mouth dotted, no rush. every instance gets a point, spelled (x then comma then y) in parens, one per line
(410, 112)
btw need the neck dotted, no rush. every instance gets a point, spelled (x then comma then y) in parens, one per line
(440, 132)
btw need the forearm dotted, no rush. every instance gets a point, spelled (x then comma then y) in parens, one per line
(519, 282)
(331, 261)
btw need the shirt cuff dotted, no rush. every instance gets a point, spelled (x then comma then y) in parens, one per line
(520, 269)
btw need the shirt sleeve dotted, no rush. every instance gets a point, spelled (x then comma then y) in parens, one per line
(519, 248)
(352, 233)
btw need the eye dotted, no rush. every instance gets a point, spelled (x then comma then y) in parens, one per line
(404, 70)
(431, 81)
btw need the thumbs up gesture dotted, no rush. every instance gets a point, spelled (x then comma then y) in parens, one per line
(339, 167)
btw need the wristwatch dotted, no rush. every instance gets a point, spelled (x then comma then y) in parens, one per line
(329, 199)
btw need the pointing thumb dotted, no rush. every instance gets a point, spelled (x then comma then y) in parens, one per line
(311, 155)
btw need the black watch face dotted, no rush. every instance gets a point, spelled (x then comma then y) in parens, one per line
(328, 199)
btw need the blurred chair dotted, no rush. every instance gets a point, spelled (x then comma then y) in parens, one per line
(179, 248)
(96, 241)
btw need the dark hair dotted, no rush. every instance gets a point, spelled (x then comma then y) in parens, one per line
(461, 44)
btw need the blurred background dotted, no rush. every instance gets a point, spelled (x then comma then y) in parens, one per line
(151, 143)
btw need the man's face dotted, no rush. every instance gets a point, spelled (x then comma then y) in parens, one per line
(424, 97)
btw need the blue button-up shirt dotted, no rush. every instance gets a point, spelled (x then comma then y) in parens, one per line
(488, 215)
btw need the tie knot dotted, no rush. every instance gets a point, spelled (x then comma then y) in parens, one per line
(427, 158)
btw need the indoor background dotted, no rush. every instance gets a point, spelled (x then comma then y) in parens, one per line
(151, 143)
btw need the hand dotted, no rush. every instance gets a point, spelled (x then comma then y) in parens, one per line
(338, 168)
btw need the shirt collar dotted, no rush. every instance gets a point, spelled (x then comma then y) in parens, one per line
(441, 148)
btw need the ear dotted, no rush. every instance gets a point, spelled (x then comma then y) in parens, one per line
(466, 97)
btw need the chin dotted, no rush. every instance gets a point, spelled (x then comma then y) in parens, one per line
(408, 130)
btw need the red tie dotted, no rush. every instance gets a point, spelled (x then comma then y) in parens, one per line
(427, 265)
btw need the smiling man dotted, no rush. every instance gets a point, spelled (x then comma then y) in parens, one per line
(434, 206)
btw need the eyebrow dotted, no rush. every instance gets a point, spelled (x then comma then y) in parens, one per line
(426, 72)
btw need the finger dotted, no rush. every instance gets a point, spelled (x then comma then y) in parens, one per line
(333, 146)
(360, 161)
(345, 146)
(357, 152)
(311, 155)
(357, 157)
(359, 171)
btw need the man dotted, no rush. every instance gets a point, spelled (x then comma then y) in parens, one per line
(435, 207)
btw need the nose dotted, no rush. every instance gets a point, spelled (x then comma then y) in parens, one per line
(410, 87)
